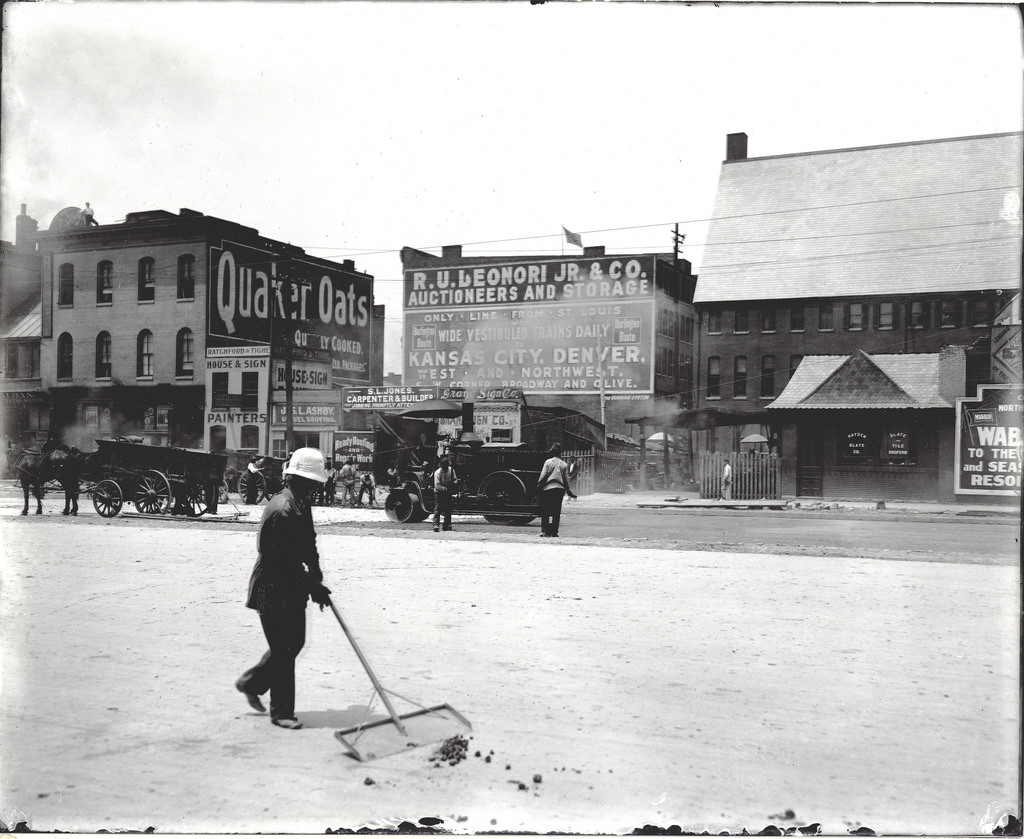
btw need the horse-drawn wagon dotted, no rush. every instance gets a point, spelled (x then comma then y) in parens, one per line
(157, 479)
(268, 475)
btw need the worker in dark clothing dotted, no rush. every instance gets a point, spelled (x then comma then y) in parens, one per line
(280, 586)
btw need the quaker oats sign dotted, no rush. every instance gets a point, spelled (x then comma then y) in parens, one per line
(550, 326)
(990, 441)
(308, 311)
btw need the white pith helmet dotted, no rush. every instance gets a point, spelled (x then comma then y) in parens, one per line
(307, 463)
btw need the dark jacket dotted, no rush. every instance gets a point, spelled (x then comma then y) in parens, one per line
(287, 542)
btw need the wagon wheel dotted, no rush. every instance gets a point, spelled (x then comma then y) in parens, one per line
(261, 485)
(107, 498)
(153, 493)
(195, 500)
(503, 489)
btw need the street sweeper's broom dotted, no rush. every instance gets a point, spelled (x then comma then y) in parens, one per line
(399, 732)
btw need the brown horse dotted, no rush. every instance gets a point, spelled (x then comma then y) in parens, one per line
(35, 469)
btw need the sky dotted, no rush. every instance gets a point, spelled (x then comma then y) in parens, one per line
(354, 129)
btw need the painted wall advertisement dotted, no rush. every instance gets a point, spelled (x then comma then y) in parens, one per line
(551, 326)
(989, 441)
(305, 310)
(355, 444)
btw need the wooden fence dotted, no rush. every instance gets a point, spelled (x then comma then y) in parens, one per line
(754, 474)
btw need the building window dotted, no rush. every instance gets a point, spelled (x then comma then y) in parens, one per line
(857, 447)
(898, 447)
(742, 322)
(147, 284)
(104, 281)
(853, 317)
(919, 314)
(144, 367)
(950, 313)
(768, 320)
(714, 377)
(22, 360)
(219, 383)
(714, 323)
(981, 311)
(794, 362)
(66, 286)
(739, 377)
(65, 356)
(250, 440)
(796, 319)
(103, 367)
(218, 438)
(250, 391)
(186, 277)
(825, 317)
(767, 376)
(886, 315)
(184, 365)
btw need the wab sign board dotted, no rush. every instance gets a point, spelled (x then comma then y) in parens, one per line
(549, 326)
(989, 441)
(310, 312)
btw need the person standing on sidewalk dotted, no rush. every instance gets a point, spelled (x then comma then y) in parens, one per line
(444, 485)
(280, 586)
(553, 486)
(727, 482)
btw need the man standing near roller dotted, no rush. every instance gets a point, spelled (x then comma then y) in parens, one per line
(280, 585)
(553, 486)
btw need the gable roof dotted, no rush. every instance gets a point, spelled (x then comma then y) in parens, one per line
(904, 380)
(924, 217)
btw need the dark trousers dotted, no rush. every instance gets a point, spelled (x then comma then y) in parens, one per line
(551, 510)
(286, 635)
(443, 507)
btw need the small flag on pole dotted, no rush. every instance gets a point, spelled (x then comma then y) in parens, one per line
(572, 238)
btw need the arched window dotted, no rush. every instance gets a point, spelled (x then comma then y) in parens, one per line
(186, 277)
(66, 287)
(183, 360)
(147, 282)
(104, 281)
(103, 370)
(144, 367)
(65, 353)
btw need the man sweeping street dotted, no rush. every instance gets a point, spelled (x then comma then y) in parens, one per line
(280, 586)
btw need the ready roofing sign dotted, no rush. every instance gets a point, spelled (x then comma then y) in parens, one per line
(990, 441)
(551, 326)
(307, 311)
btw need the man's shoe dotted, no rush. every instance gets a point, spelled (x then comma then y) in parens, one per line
(437, 530)
(254, 699)
(290, 723)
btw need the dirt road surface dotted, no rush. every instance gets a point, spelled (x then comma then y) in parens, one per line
(611, 686)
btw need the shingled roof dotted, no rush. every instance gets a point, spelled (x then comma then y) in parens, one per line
(905, 380)
(924, 217)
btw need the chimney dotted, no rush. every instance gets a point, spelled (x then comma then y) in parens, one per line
(451, 252)
(467, 437)
(24, 228)
(594, 250)
(736, 146)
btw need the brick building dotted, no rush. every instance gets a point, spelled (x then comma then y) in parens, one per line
(588, 340)
(189, 330)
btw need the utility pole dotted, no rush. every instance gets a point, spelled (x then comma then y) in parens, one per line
(677, 244)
